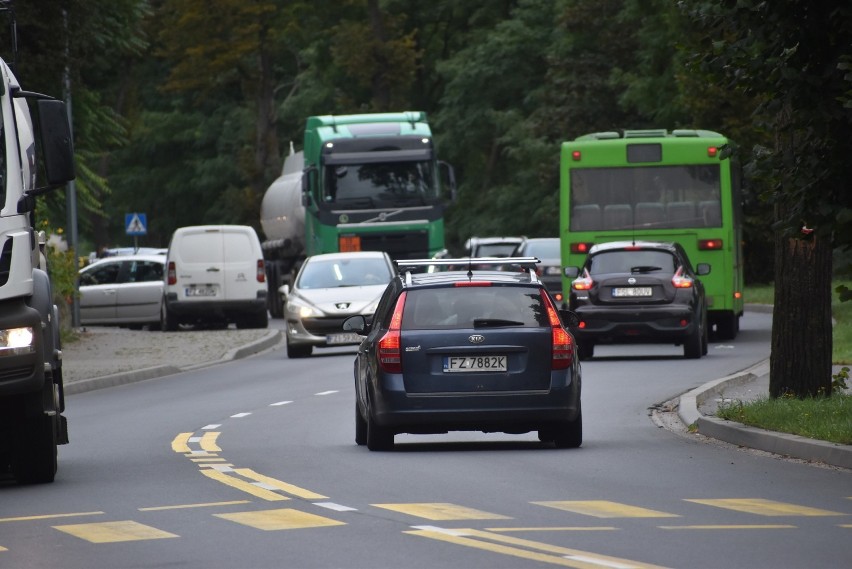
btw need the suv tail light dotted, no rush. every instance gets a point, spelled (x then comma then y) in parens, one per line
(172, 273)
(390, 356)
(583, 283)
(680, 281)
(562, 352)
(261, 272)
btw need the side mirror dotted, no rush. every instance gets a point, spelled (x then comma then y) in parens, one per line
(357, 323)
(569, 318)
(702, 269)
(56, 142)
(284, 290)
(571, 272)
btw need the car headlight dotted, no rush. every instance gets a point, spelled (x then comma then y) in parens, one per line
(15, 341)
(300, 309)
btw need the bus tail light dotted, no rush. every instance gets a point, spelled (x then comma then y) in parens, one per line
(576, 156)
(709, 244)
(581, 247)
(712, 151)
(390, 354)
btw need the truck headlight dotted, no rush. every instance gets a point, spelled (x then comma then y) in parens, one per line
(15, 341)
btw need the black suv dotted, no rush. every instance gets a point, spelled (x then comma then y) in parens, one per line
(466, 350)
(644, 291)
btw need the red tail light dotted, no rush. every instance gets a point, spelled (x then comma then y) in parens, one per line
(172, 273)
(261, 272)
(680, 281)
(581, 247)
(583, 283)
(562, 352)
(709, 244)
(390, 355)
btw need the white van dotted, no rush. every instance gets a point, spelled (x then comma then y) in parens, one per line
(214, 275)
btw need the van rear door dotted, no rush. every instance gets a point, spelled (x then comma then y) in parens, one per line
(240, 270)
(199, 267)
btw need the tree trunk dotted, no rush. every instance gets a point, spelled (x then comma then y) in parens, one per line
(800, 362)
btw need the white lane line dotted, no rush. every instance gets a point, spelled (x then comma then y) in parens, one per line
(597, 561)
(335, 507)
(194, 440)
(279, 403)
(326, 392)
(240, 415)
(209, 427)
(448, 531)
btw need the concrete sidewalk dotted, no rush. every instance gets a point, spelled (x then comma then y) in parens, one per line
(698, 407)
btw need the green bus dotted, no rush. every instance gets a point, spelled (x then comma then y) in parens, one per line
(658, 185)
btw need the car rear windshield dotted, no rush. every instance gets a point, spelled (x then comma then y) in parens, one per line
(474, 307)
(632, 262)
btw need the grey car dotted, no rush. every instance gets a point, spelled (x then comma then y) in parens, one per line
(548, 251)
(329, 288)
(122, 291)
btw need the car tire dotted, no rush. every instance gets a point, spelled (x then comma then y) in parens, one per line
(727, 326)
(34, 458)
(378, 438)
(694, 344)
(570, 433)
(295, 351)
(360, 427)
(705, 337)
(585, 350)
(168, 322)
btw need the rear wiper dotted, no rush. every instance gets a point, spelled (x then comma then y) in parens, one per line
(644, 269)
(494, 323)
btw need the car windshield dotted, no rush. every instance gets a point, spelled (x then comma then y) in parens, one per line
(333, 273)
(631, 262)
(473, 307)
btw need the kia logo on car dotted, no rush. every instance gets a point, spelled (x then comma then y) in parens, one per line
(476, 338)
(631, 280)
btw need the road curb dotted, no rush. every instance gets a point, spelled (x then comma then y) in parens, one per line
(271, 339)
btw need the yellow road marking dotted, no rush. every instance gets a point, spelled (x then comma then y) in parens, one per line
(441, 512)
(208, 442)
(749, 526)
(3, 548)
(846, 526)
(111, 532)
(243, 485)
(763, 507)
(554, 555)
(49, 516)
(181, 443)
(289, 488)
(605, 509)
(555, 528)
(182, 506)
(270, 520)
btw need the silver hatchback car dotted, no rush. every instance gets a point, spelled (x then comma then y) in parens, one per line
(328, 289)
(122, 291)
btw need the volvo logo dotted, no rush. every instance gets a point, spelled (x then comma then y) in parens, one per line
(631, 280)
(476, 338)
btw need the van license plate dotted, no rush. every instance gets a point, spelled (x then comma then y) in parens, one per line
(337, 339)
(459, 364)
(201, 291)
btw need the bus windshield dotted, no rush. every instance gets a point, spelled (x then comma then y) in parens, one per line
(648, 197)
(380, 185)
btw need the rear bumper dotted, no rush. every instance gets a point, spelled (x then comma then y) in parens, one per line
(635, 324)
(490, 412)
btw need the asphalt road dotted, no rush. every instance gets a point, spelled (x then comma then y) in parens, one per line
(253, 464)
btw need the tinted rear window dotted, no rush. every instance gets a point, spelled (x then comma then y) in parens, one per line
(632, 261)
(469, 307)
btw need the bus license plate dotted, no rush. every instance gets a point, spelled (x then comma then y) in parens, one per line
(632, 291)
(460, 364)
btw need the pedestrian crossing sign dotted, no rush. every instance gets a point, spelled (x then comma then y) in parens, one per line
(135, 223)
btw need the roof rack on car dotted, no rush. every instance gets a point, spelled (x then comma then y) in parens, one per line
(527, 263)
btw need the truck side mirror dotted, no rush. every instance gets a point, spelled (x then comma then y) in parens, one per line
(56, 143)
(309, 175)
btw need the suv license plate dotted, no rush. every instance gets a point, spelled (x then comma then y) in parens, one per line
(459, 364)
(201, 291)
(632, 291)
(337, 339)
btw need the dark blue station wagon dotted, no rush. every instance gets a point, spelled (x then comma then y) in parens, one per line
(467, 350)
